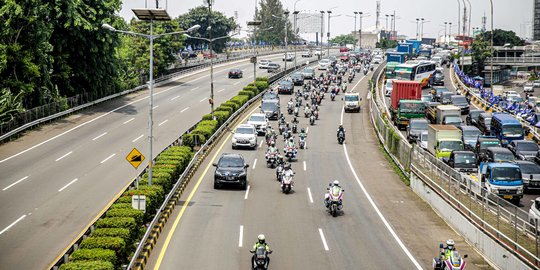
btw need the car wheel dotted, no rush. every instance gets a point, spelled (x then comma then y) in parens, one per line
(216, 185)
(244, 185)
(233, 147)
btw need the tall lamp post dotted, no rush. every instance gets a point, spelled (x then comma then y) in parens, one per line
(417, 34)
(329, 12)
(295, 13)
(491, 49)
(150, 15)
(254, 23)
(322, 33)
(445, 23)
(286, 13)
(355, 13)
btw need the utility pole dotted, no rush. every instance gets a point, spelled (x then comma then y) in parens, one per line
(417, 34)
(449, 32)
(355, 13)
(295, 13)
(286, 34)
(211, 58)
(328, 33)
(422, 29)
(322, 33)
(360, 30)
(445, 23)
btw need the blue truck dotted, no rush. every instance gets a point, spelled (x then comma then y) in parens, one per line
(501, 179)
(506, 128)
(406, 48)
(415, 46)
(395, 57)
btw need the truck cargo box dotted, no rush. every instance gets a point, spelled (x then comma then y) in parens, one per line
(405, 90)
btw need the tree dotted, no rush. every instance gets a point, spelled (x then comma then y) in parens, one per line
(344, 40)
(276, 35)
(501, 37)
(221, 26)
(386, 44)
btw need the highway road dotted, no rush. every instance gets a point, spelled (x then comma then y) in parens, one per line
(383, 225)
(58, 178)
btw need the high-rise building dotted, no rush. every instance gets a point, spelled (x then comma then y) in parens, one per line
(536, 20)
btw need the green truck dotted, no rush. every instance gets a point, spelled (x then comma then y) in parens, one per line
(406, 103)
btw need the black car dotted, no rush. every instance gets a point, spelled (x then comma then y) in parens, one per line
(446, 98)
(497, 154)
(235, 73)
(230, 169)
(460, 102)
(270, 95)
(472, 117)
(438, 78)
(483, 143)
(484, 123)
(297, 79)
(285, 87)
(530, 172)
(271, 109)
(437, 93)
(462, 161)
(524, 150)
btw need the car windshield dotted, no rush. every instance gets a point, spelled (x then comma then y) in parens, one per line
(257, 118)
(529, 168)
(244, 130)
(493, 143)
(440, 91)
(450, 145)
(424, 137)
(465, 159)
(512, 130)
(506, 174)
(503, 157)
(285, 83)
(351, 98)
(471, 134)
(325, 61)
(452, 119)
(269, 106)
(475, 114)
(419, 125)
(228, 162)
(459, 100)
(412, 107)
(389, 84)
(527, 146)
(308, 70)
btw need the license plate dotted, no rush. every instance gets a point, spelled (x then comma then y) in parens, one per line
(230, 178)
(507, 196)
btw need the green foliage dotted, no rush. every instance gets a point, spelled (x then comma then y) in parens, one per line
(129, 212)
(113, 243)
(95, 254)
(154, 194)
(262, 79)
(261, 85)
(252, 87)
(87, 265)
(239, 100)
(191, 140)
(344, 40)
(231, 104)
(481, 51)
(207, 117)
(206, 131)
(247, 93)
(221, 26)
(120, 205)
(221, 116)
(225, 108)
(113, 232)
(276, 35)
(501, 37)
(386, 44)
(119, 222)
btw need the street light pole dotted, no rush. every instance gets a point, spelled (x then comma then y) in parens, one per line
(328, 33)
(322, 33)
(286, 34)
(355, 13)
(445, 23)
(360, 30)
(491, 50)
(295, 13)
(470, 11)
(422, 29)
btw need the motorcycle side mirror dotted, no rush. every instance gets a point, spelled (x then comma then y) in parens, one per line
(214, 164)
(330, 184)
(465, 256)
(441, 245)
(247, 165)
(341, 98)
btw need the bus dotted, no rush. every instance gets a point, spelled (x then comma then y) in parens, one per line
(420, 71)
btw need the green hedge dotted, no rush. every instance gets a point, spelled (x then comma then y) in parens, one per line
(206, 131)
(247, 93)
(240, 100)
(222, 116)
(261, 85)
(113, 232)
(224, 108)
(94, 254)
(211, 123)
(264, 79)
(87, 265)
(231, 104)
(117, 244)
(119, 222)
(189, 139)
(254, 89)
(124, 199)
(207, 117)
(138, 215)
(117, 205)
(154, 194)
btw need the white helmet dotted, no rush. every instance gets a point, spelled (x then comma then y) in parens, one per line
(261, 238)
(450, 244)
(336, 183)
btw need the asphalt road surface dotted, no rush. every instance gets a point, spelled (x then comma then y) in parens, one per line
(58, 178)
(383, 225)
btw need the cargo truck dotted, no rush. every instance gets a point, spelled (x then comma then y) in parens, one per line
(392, 60)
(415, 46)
(444, 115)
(443, 139)
(501, 179)
(406, 48)
(405, 102)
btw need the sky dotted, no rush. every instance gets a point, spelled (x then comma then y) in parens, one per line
(515, 15)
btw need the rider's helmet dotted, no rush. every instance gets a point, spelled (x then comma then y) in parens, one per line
(261, 238)
(273, 144)
(287, 166)
(291, 140)
(302, 130)
(450, 244)
(340, 126)
(336, 183)
(287, 124)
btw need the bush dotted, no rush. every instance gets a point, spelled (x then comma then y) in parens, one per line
(154, 195)
(117, 205)
(253, 88)
(240, 100)
(130, 212)
(124, 199)
(94, 254)
(211, 123)
(232, 105)
(117, 244)
(207, 117)
(261, 85)
(119, 222)
(224, 108)
(87, 265)
(262, 79)
(222, 116)
(206, 131)
(113, 232)
(247, 93)
(191, 140)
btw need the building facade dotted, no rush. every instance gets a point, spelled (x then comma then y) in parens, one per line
(536, 20)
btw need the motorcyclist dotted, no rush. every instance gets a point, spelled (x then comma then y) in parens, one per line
(307, 110)
(261, 241)
(335, 183)
(447, 251)
(290, 143)
(272, 149)
(287, 169)
(341, 129)
(302, 134)
(290, 103)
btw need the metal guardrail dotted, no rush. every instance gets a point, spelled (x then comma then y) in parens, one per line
(53, 111)
(502, 221)
(510, 60)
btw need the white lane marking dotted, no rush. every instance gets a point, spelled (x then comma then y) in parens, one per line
(383, 219)
(175, 97)
(304, 165)
(236, 83)
(12, 224)
(241, 236)
(163, 122)
(101, 135)
(136, 139)
(18, 181)
(247, 192)
(307, 130)
(129, 120)
(155, 107)
(254, 164)
(109, 157)
(109, 112)
(68, 184)
(260, 144)
(193, 89)
(202, 100)
(310, 197)
(184, 110)
(323, 240)
(221, 90)
(65, 155)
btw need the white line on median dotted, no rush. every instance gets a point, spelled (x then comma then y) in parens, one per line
(155, 107)
(202, 100)
(379, 213)
(163, 122)
(101, 135)
(109, 157)
(307, 130)
(129, 120)
(247, 192)
(68, 184)
(175, 97)
(193, 89)
(65, 155)
(323, 240)
(241, 236)
(254, 164)
(304, 165)
(184, 110)
(221, 90)
(136, 139)
(18, 181)
(310, 197)
(12, 224)
(260, 144)
(236, 83)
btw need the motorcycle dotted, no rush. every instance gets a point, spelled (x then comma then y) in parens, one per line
(260, 258)
(341, 137)
(287, 183)
(296, 111)
(271, 160)
(454, 261)
(307, 113)
(282, 128)
(350, 79)
(294, 128)
(279, 171)
(334, 199)
(290, 153)
(289, 110)
(365, 71)
(316, 115)
(302, 143)
(312, 119)
(333, 96)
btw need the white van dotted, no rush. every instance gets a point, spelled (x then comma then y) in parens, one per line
(351, 102)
